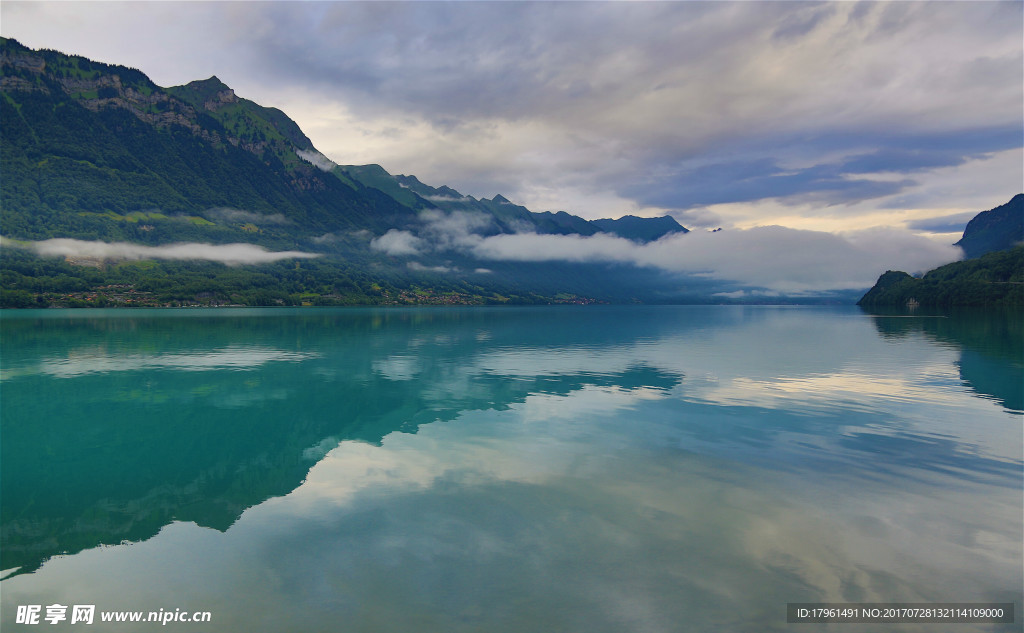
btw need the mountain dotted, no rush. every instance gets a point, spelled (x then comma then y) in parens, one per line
(995, 230)
(99, 153)
(641, 229)
(995, 278)
(993, 274)
(96, 151)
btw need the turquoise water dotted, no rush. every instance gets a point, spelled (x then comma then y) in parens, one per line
(668, 468)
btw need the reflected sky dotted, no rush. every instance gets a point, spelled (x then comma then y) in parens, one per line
(598, 470)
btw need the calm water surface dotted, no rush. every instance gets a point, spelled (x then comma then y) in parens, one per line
(546, 469)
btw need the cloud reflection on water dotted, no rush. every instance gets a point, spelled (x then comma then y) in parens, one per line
(84, 362)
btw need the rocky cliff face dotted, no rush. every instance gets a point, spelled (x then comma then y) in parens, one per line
(221, 99)
(96, 87)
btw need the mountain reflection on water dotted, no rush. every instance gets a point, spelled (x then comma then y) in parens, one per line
(597, 468)
(990, 341)
(113, 426)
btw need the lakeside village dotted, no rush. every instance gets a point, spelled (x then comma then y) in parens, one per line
(124, 295)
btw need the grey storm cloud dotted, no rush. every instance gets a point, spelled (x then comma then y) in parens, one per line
(954, 223)
(639, 94)
(674, 105)
(744, 181)
(761, 172)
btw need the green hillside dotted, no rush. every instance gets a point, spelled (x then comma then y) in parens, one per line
(994, 279)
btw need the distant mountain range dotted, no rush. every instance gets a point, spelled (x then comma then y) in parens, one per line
(992, 275)
(503, 215)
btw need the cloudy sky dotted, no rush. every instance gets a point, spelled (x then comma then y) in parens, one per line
(834, 117)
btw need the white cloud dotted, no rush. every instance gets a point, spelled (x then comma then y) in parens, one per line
(775, 258)
(771, 260)
(454, 230)
(574, 248)
(232, 254)
(396, 242)
(441, 198)
(317, 159)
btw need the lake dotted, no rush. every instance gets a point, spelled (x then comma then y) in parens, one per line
(591, 469)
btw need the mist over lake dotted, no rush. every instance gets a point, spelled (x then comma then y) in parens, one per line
(634, 468)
